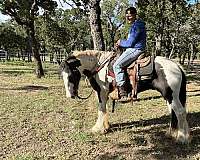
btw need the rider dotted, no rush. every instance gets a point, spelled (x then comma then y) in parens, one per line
(135, 44)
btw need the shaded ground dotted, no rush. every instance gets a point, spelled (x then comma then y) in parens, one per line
(37, 121)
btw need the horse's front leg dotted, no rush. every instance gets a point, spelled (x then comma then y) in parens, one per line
(102, 123)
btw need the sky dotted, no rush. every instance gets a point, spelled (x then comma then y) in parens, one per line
(3, 18)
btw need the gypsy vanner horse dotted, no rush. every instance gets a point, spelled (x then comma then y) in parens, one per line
(169, 80)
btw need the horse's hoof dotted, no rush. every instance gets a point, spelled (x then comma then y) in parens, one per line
(94, 129)
(104, 131)
(183, 139)
(98, 130)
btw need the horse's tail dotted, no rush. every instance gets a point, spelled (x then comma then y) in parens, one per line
(182, 93)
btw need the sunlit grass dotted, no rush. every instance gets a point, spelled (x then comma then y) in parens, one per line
(37, 121)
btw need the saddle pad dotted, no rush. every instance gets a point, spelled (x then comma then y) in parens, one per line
(146, 70)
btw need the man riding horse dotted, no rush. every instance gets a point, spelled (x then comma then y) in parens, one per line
(168, 78)
(135, 44)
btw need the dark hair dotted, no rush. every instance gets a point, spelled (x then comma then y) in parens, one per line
(132, 10)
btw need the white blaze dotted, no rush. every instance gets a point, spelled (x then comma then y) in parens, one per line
(68, 85)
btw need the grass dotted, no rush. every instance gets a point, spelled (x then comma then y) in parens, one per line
(37, 121)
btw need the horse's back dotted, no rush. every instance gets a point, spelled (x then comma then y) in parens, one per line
(169, 67)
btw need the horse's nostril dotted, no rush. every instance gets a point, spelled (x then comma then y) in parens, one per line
(73, 97)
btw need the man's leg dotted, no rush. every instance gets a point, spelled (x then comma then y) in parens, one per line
(124, 60)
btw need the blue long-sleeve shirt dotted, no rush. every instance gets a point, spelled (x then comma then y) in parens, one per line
(136, 37)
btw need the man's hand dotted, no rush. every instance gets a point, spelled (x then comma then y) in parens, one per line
(117, 44)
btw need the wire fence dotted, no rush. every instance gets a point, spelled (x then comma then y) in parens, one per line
(56, 57)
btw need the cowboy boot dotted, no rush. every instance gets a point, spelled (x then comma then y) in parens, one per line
(123, 95)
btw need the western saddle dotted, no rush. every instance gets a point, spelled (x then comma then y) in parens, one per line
(137, 71)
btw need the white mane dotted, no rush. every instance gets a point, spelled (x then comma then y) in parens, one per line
(91, 58)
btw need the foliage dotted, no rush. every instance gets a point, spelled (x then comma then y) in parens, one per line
(112, 20)
(170, 20)
(24, 10)
(175, 22)
(66, 29)
(12, 38)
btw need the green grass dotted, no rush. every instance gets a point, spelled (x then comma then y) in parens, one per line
(37, 121)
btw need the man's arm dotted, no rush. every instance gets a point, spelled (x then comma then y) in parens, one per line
(132, 39)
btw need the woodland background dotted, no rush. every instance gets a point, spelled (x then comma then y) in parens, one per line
(40, 29)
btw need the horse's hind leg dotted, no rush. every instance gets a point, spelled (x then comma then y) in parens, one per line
(173, 122)
(180, 112)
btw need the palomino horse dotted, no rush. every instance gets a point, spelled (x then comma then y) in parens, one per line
(169, 80)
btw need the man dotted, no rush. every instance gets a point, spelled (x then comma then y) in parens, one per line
(135, 44)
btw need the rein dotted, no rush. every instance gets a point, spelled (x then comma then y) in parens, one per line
(108, 59)
(82, 98)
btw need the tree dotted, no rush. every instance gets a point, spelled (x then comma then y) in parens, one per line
(25, 12)
(10, 40)
(112, 19)
(164, 20)
(93, 8)
(64, 31)
(95, 25)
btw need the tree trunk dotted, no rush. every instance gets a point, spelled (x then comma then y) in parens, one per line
(190, 55)
(35, 50)
(158, 45)
(161, 25)
(173, 46)
(95, 25)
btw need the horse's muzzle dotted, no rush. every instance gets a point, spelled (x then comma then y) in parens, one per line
(73, 97)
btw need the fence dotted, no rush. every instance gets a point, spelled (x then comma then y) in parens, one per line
(56, 57)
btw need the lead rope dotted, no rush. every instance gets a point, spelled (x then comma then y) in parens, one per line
(79, 97)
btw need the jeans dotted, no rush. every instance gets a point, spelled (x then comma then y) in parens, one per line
(127, 57)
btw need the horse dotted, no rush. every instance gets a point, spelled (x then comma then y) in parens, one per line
(170, 81)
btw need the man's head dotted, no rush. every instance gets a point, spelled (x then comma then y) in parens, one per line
(131, 14)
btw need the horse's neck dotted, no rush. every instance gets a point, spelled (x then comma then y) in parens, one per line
(88, 62)
(92, 59)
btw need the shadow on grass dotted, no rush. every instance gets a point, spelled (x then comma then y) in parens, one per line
(27, 88)
(15, 72)
(149, 98)
(141, 123)
(152, 133)
(197, 90)
(32, 87)
(158, 97)
(20, 71)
